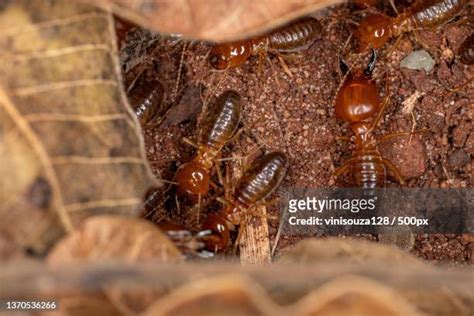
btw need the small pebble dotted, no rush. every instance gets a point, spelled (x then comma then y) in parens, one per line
(417, 60)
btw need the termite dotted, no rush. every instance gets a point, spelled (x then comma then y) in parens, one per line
(257, 183)
(376, 29)
(219, 124)
(146, 98)
(293, 37)
(466, 50)
(358, 103)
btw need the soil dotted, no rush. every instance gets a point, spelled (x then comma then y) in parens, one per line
(295, 114)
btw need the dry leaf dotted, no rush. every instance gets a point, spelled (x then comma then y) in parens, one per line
(313, 288)
(239, 295)
(103, 238)
(234, 294)
(219, 20)
(354, 251)
(355, 296)
(106, 238)
(70, 147)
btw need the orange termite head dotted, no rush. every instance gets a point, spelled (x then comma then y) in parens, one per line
(358, 98)
(230, 55)
(193, 181)
(374, 31)
(218, 235)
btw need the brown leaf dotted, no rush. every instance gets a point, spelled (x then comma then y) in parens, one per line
(103, 238)
(354, 251)
(113, 238)
(239, 295)
(234, 294)
(219, 20)
(354, 295)
(70, 147)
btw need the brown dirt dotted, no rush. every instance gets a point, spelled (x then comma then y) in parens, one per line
(295, 114)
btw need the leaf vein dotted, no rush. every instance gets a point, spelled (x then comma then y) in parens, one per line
(41, 88)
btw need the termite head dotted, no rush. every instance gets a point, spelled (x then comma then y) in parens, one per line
(219, 233)
(374, 31)
(193, 181)
(358, 98)
(230, 55)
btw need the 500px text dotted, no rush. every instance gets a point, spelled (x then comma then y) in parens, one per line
(373, 221)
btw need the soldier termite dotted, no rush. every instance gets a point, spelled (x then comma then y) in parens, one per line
(358, 103)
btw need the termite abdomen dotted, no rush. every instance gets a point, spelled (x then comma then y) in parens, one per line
(146, 98)
(368, 172)
(295, 36)
(428, 13)
(262, 178)
(466, 51)
(221, 120)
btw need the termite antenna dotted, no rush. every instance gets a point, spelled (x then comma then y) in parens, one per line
(370, 67)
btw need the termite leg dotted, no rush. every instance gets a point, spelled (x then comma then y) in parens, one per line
(227, 186)
(344, 168)
(180, 69)
(343, 138)
(285, 67)
(219, 173)
(417, 37)
(399, 134)
(395, 45)
(198, 215)
(273, 70)
(190, 142)
(382, 108)
(346, 44)
(272, 202)
(223, 201)
(394, 170)
(235, 136)
(260, 61)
